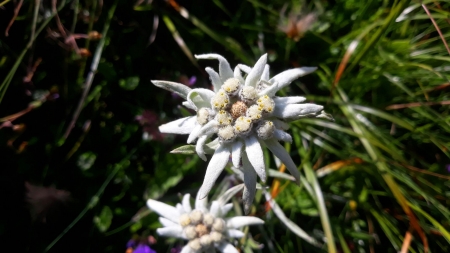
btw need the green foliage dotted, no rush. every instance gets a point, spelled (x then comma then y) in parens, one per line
(78, 113)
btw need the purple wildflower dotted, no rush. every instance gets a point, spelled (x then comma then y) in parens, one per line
(143, 248)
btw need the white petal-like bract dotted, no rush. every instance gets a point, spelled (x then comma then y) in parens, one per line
(278, 150)
(164, 210)
(186, 202)
(166, 222)
(179, 126)
(255, 156)
(282, 136)
(288, 100)
(250, 184)
(236, 152)
(255, 74)
(172, 231)
(296, 111)
(215, 167)
(178, 88)
(234, 233)
(227, 248)
(199, 147)
(224, 67)
(200, 97)
(286, 77)
(241, 221)
(214, 77)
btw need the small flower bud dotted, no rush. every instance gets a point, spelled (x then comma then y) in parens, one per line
(218, 225)
(195, 244)
(206, 240)
(208, 219)
(185, 220)
(224, 118)
(248, 94)
(190, 233)
(220, 100)
(265, 129)
(254, 112)
(203, 115)
(226, 134)
(243, 125)
(266, 104)
(231, 86)
(196, 216)
(216, 236)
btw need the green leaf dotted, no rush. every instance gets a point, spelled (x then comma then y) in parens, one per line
(135, 227)
(86, 160)
(130, 83)
(103, 221)
(185, 150)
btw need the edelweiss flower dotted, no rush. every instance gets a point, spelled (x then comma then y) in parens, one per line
(244, 113)
(205, 228)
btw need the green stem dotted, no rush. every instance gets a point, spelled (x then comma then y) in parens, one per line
(94, 66)
(320, 201)
(88, 42)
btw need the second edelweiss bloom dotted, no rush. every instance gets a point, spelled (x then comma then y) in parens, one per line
(204, 227)
(244, 113)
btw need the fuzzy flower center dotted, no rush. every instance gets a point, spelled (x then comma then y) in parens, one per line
(237, 110)
(202, 230)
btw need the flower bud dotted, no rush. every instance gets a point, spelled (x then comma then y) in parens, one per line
(266, 104)
(231, 86)
(195, 244)
(242, 125)
(224, 118)
(208, 219)
(254, 112)
(203, 116)
(185, 220)
(226, 134)
(248, 94)
(190, 233)
(196, 216)
(216, 236)
(220, 100)
(265, 129)
(205, 240)
(218, 225)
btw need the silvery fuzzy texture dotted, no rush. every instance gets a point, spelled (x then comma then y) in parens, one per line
(205, 227)
(236, 107)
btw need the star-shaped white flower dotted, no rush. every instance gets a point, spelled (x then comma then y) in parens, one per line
(205, 228)
(244, 113)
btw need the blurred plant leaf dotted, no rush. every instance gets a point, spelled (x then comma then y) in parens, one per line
(103, 221)
(86, 160)
(130, 83)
